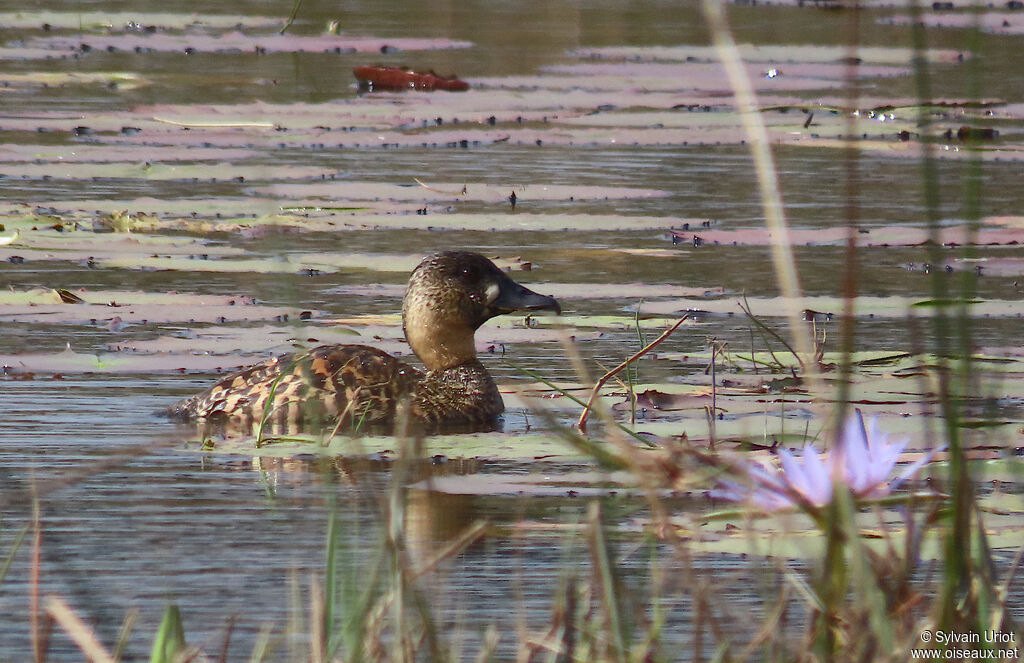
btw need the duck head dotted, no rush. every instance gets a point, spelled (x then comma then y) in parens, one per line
(450, 295)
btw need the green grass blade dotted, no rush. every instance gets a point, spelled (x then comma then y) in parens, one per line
(14, 549)
(170, 637)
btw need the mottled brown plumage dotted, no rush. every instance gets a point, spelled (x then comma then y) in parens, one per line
(449, 296)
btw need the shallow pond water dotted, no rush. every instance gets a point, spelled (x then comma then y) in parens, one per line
(134, 515)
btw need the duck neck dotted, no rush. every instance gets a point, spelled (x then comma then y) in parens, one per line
(439, 345)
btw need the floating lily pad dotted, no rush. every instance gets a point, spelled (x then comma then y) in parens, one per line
(111, 248)
(70, 362)
(770, 54)
(198, 214)
(617, 322)
(51, 79)
(794, 536)
(310, 263)
(676, 119)
(504, 221)
(93, 154)
(826, 307)
(22, 53)
(407, 110)
(219, 172)
(710, 75)
(46, 306)
(104, 20)
(225, 348)
(449, 191)
(1006, 221)
(893, 147)
(269, 340)
(572, 484)
(58, 242)
(491, 445)
(903, 235)
(238, 42)
(525, 118)
(996, 22)
(996, 266)
(247, 340)
(943, 6)
(293, 264)
(559, 290)
(622, 134)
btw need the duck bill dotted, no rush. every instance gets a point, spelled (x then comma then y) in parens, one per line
(514, 297)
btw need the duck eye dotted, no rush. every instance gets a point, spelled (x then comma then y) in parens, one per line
(468, 272)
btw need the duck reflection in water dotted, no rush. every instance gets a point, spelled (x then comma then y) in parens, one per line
(450, 295)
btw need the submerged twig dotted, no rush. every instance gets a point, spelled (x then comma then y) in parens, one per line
(18, 539)
(581, 424)
(469, 536)
(436, 190)
(291, 17)
(262, 125)
(745, 307)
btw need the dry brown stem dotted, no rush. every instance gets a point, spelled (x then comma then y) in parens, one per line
(79, 632)
(581, 425)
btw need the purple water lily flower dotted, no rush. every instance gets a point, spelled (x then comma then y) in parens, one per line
(863, 459)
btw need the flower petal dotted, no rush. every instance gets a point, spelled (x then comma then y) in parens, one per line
(914, 467)
(818, 482)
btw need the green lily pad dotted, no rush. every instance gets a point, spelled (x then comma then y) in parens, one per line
(70, 361)
(281, 265)
(959, 235)
(450, 191)
(237, 42)
(826, 307)
(618, 322)
(769, 54)
(892, 147)
(106, 20)
(55, 79)
(134, 307)
(94, 154)
(218, 172)
(631, 291)
(995, 22)
(478, 445)
(75, 245)
(794, 536)
(200, 215)
(248, 340)
(504, 221)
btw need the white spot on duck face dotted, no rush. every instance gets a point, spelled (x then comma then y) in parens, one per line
(492, 292)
